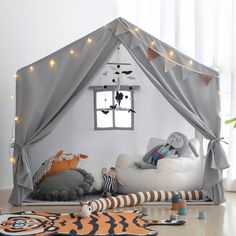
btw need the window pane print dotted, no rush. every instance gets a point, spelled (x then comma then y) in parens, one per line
(123, 119)
(108, 118)
(104, 120)
(126, 102)
(101, 96)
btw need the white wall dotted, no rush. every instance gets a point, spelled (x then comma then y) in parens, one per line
(30, 30)
(155, 117)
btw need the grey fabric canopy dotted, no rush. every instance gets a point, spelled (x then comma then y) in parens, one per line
(48, 88)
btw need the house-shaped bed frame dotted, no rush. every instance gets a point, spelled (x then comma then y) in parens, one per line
(48, 88)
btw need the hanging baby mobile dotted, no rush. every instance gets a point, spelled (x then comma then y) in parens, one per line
(121, 79)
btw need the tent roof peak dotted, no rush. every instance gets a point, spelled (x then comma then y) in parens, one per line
(139, 37)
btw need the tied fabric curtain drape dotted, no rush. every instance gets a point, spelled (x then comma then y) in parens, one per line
(44, 97)
(205, 30)
(231, 69)
(200, 107)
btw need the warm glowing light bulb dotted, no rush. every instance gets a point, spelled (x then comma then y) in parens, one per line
(13, 160)
(12, 97)
(153, 42)
(171, 53)
(16, 76)
(31, 68)
(72, 52)
(52, 63)
(190, 62)
(17, 119)
(136, 29)
(89, 40)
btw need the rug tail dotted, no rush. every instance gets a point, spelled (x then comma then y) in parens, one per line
(164, 222)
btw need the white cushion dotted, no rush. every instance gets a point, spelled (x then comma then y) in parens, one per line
(98, 180)
(183, 173)
(181, 164)
(125, 161)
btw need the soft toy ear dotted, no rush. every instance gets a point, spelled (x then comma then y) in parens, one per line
(90, 203)
(193, 149)
(83, 156)
(59, 153)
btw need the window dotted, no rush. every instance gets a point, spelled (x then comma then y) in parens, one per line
(108, 114)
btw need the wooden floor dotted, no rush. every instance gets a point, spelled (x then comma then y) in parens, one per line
(221, 219)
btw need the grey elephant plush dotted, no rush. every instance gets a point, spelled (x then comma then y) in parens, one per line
(180, 142)
(67, 185)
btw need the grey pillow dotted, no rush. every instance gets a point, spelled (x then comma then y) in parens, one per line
(66, 185)
(146, 157)
(144, 165)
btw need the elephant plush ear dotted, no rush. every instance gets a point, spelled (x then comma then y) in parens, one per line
(193, 149)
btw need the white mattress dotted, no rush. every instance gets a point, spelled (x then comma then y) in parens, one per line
(183, 173)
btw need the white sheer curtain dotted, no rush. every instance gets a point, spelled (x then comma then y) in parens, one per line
(205, 30)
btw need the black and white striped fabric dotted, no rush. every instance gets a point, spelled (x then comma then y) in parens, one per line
(110, 186)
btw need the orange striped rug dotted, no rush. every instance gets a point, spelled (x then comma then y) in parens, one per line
(101, 223)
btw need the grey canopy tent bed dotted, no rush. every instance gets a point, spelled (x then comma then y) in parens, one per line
(48, 88)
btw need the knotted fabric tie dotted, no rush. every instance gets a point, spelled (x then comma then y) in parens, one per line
(23, 171)
(19, 146)
(217, 153)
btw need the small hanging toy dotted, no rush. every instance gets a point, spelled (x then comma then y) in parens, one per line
(131, 110)
(113, 107)
(119, 97)
(105, 112)
(127, 72)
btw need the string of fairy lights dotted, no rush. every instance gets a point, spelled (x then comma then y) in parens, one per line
(169, 56)
(52, 63)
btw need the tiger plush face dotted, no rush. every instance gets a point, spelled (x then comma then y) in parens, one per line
(27, 225)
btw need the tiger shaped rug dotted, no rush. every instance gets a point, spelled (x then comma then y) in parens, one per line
(101, 223)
